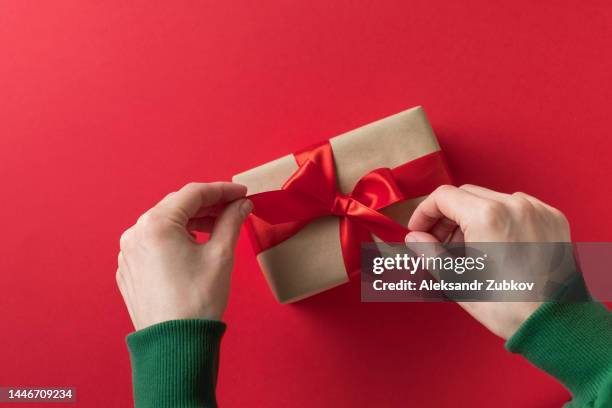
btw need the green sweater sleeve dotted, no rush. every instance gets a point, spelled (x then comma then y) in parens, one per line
(175, 363)
(572, 342)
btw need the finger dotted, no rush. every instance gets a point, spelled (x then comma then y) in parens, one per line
(420, 237)
(503, 197)
(514, 199)
(227, 226)
(449, 202)
(126, 238)
(212, 211)
(457, 237)
(424, 243)
(534, 201)
(443, 229)
(189, 200)
(202, 224)
(485, 192)
(166, 198)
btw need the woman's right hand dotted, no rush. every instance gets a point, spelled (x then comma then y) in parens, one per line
(476, 214)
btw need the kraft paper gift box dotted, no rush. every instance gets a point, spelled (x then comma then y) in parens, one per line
(311, 260)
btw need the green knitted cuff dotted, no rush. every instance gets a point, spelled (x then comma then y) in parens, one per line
(175, 363)
(570, 341)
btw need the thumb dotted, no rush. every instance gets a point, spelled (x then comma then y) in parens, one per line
(424, 243)
(227, 226)
(420, 236)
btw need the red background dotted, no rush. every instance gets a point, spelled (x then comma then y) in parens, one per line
(107, 106)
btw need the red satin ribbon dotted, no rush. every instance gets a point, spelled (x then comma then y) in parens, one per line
(311, 192)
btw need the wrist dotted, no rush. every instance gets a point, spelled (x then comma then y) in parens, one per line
(159, 311)
(522, 311)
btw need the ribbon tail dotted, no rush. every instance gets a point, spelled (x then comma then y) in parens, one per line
(283, 206)
(378, 224)
(352, 235)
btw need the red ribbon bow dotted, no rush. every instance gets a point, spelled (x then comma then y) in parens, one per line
(311, 192)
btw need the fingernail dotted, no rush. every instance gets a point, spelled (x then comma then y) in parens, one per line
(243, 186)
(410, 237)
(246, 207)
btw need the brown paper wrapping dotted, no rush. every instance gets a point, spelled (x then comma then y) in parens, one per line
(311, 261)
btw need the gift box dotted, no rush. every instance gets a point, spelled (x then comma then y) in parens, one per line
(314, 208)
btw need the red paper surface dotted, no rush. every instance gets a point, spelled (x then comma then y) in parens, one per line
(107, 106)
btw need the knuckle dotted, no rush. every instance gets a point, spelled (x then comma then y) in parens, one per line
(444, 188)
(520, 194)
(492, 212)
(522, 205)
(466, 186)
(119, 277)
(150, 220)
(125, 238)
(559, 216)
(221, 253)
(190, 186)
(153, 226)
(144, 219)
(167, 198)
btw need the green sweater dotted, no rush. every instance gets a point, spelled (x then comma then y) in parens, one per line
(175, 363)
